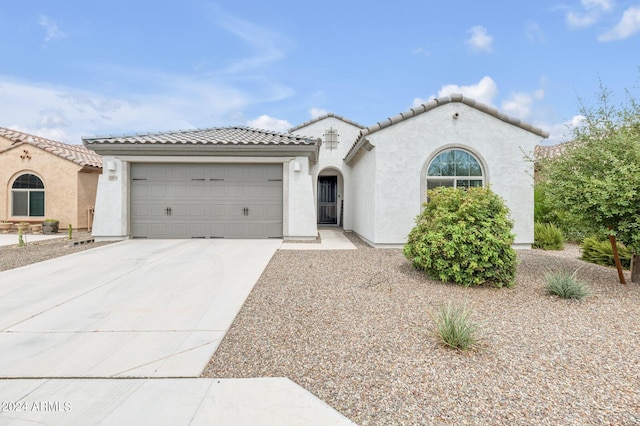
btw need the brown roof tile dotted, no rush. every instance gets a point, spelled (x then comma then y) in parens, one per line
(322, 117)
(435, 103)
(238, 135)
(75, 153)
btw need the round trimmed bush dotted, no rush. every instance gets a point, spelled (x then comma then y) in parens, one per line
(464, 236)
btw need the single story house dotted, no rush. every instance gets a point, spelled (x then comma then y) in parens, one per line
(238, 182)
(42, 178)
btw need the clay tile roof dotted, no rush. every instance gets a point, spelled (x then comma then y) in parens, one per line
(238, 135)
(549, 151)
(322, 117)
(75, 153)
(435, 103)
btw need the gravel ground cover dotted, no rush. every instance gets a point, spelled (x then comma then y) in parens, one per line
(352, 327)
(37, 251)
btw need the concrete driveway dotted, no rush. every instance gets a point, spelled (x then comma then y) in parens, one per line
(119, 335)
(137, 308)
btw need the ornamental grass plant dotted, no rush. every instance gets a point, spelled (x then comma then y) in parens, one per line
(566, 286)
(453, 327)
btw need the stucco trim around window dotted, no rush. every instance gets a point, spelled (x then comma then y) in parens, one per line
(450, 147)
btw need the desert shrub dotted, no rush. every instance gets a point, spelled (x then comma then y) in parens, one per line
(464, 236)
(454, 328)
(543, 211)
(566, 285)
(547, 236)
(598, 251)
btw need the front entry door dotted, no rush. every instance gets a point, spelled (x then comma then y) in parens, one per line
(328, 200)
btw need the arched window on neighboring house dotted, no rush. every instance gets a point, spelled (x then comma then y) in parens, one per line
(455, 168)
(27, 196)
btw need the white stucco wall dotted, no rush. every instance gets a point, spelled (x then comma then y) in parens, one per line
(364, 187)
(111, 221)
(402, 153)
(331, 160)
(299, 219)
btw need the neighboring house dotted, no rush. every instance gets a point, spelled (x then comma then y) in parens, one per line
(41, 178)
(238, 182)
(543, 152)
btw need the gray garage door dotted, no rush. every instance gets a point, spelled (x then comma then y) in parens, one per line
(206, 200)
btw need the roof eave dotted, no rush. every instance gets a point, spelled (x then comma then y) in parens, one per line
(435, 103)
(267, 150)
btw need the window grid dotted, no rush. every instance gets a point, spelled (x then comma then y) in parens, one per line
(454, 168)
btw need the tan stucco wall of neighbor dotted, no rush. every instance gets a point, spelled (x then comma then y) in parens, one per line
(63, 198)
(87, 189)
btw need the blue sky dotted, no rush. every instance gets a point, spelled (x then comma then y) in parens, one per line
(81, 68)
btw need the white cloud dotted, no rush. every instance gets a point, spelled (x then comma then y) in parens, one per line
(267, 46)
(562, 132)
(576, 20)
(480, 40)
(605, 5)
(590, 13)
(534, 32)
(484, 91)
(317, 112)
(66, 113)
(628, 25)
(52, 31)
(270, 123)
(52, 118)
(422, 52)
(519, 104)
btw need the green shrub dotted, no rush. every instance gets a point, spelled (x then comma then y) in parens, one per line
(566, 286)
(547, 236)
(464, 236)
(454, 328)
(599, 251)
(542, 210)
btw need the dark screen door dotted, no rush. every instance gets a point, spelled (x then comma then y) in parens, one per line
(328, 199)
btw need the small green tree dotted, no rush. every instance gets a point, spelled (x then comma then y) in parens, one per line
(464, 236)
(597, 178)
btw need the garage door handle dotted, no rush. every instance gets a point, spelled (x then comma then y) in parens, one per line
(168, 211)
(245, 211)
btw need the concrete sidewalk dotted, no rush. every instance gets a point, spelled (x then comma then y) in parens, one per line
(12, 239)
(223, 402)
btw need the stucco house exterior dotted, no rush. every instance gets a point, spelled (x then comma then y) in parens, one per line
(42, 178)
(238, 182)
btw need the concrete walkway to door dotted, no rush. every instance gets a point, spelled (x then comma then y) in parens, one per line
(330, 239)
(120, 334)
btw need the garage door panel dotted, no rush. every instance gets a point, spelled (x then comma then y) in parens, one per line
(206, 200)
(158, 191)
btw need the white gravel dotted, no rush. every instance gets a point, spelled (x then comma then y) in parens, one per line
(351, 327)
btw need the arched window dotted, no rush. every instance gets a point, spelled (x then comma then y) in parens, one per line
(455, 168)
(27, 195)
